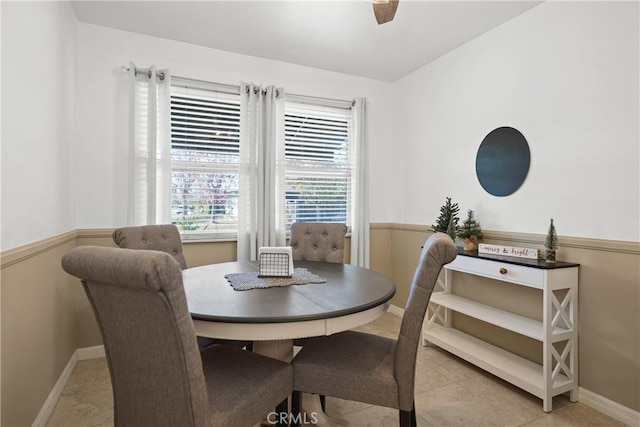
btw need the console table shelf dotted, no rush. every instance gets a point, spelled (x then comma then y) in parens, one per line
(557, 331)
(512, 368)
(505, 319)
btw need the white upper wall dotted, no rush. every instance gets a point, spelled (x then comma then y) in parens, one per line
(38, 83)
(102, 105)
(566, 75)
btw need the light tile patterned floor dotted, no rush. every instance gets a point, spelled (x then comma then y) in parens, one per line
(449, 392)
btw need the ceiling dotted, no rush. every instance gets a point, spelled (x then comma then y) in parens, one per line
(340, 36)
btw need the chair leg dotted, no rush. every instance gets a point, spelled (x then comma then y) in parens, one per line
(283, 411)
(414, 422)
(408, 418)
(296, 397)
(405, 419)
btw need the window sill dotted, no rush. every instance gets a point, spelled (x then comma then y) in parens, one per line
(219, 238)
(208, 237)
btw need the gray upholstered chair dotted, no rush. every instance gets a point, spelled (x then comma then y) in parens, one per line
(369, 368)
(318, 241)
(158, 374)
(165, 238)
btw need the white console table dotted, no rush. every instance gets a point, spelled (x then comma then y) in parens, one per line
(558, 330)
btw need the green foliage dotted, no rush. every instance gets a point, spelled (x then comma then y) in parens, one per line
(187, 223)
(447, 222)
(470, 227)
(451, 230)
(552, 238)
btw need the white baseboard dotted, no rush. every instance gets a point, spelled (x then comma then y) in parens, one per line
(52, 399)
(91, 352)
(58, 388)
(609, 407)
(394, 309)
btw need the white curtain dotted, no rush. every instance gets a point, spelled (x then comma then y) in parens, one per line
(261, 201)
(149, 180)
(360, 186)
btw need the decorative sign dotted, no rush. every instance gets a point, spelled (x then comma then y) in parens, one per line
(508, 251)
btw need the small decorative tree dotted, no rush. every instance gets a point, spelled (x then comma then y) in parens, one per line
(447, 222)
(451, 230)
(470, 232)
(551, 243)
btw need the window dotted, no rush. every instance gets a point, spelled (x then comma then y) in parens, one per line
(205, 144)
(205, 154)
(318, 163)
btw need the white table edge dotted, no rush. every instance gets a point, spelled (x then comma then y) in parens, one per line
(288, 330)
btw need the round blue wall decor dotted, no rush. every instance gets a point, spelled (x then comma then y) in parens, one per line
(502, 162)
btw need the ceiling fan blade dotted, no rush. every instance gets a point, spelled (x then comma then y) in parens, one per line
(385, 11)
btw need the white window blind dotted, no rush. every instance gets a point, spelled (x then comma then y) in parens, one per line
(318, 163)
(205, 144)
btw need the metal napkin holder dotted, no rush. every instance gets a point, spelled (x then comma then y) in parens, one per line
(275, 261)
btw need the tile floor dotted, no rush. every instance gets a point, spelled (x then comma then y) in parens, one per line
(449, 392)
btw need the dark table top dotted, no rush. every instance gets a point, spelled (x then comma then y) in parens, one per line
(348, 289)
(535, 263)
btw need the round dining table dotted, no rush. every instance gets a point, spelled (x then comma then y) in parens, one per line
(272, 317)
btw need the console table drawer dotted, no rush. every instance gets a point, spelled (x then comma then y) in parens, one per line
(532, 277)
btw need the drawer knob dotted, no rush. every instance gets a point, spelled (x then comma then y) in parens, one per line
(503, 270)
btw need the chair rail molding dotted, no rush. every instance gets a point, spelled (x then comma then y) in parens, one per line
(588, 243)
(20, 253)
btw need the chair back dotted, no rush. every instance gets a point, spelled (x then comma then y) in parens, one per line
(318, 241)
(438, 250)
(163, 237)
(139, 302)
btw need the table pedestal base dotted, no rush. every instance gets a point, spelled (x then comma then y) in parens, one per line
(311, 408)
(279, 349)
(312, 411)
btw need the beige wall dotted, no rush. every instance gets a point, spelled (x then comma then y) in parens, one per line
(609, 305)
(195, 253)
(45, 315)
(39, 325)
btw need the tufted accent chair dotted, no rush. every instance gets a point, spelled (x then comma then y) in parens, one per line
(165, 238)
(159, 376)
(371, 368)
(318, 241)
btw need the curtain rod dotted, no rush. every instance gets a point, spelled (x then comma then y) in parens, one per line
(204, 84)
(297, 98)
(323, 101)
(146, 71)
(256, 89)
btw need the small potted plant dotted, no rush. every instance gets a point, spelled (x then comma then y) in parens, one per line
(551, 243)
(470, 232)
